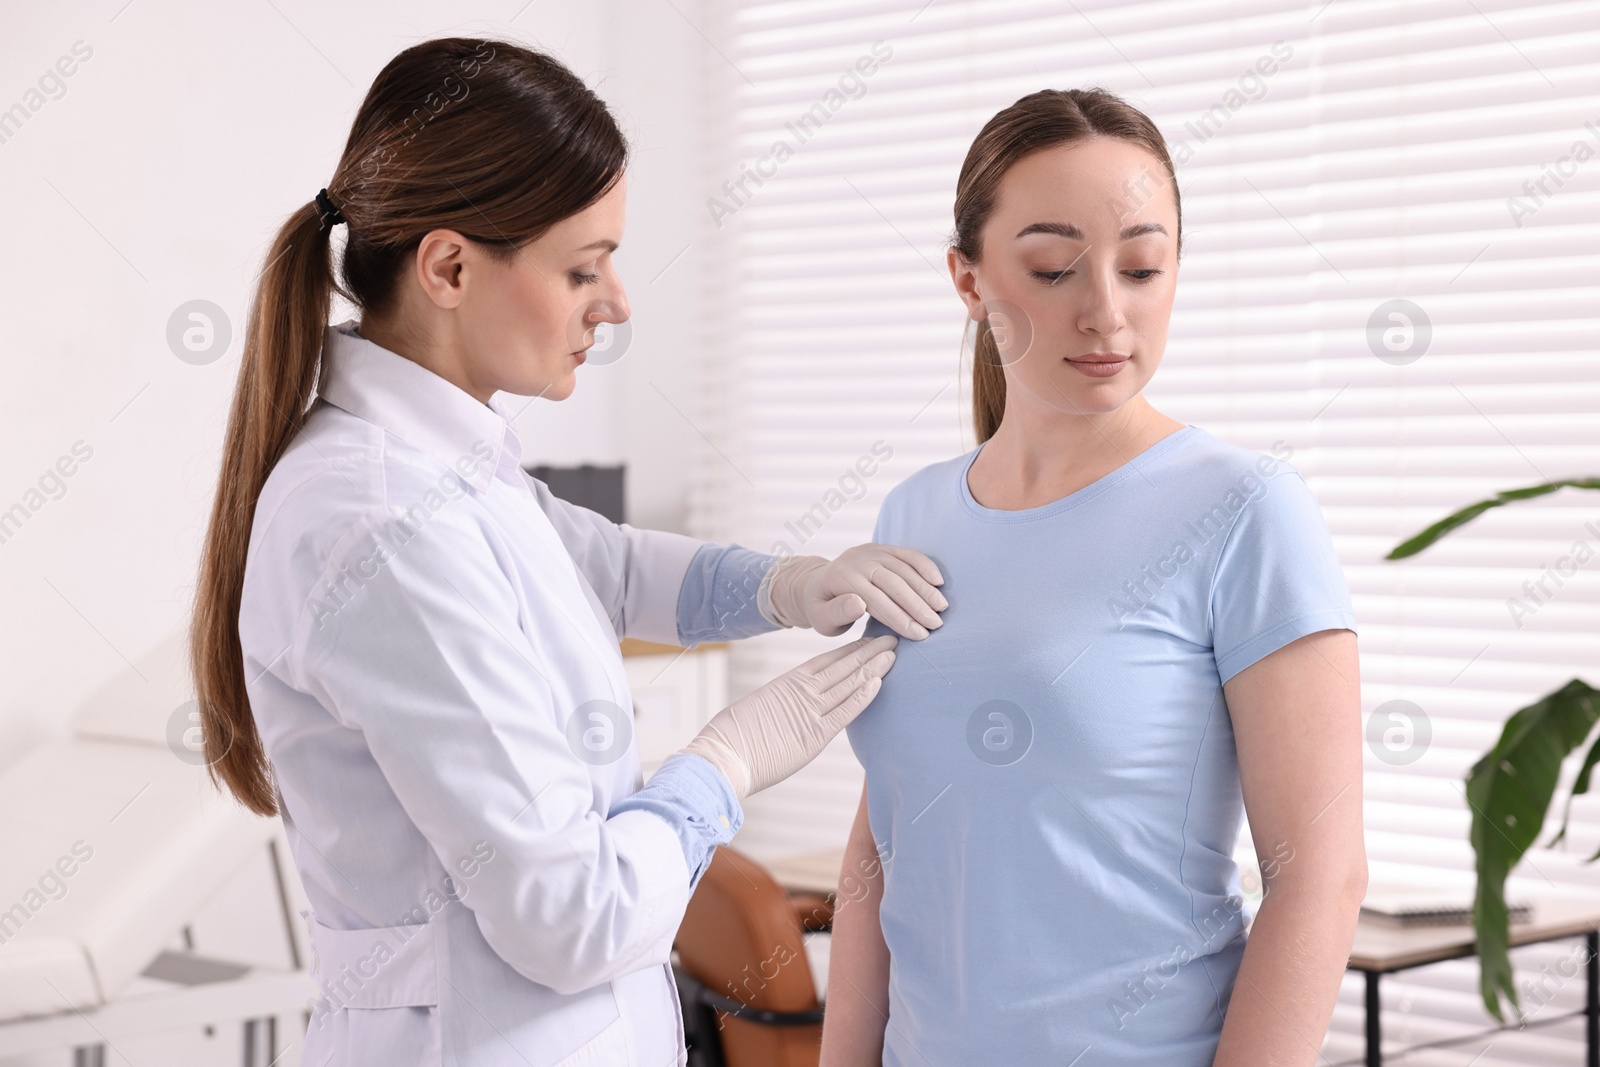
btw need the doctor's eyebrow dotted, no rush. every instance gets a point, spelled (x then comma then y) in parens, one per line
(1072, 232)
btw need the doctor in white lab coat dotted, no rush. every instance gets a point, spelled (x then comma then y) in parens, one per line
(408, 647)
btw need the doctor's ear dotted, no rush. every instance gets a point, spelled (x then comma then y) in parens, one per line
(963, 272)
(441, 260)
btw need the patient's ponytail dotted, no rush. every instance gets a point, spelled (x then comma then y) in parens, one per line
(534, 146)
(1038, 121)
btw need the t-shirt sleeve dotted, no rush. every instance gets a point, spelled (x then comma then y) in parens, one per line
(1277, 577)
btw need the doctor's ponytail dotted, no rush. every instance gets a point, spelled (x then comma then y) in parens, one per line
(276, 377)
(1038, 121)
(534, 146)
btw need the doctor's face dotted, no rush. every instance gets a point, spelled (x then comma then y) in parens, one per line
(535, 317)
(1077, 272)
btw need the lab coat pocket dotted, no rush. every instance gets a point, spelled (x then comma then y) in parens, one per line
(376, 967)
(609, 1048)
(379, 994)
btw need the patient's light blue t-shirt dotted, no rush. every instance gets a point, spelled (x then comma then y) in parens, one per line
(1051, 775)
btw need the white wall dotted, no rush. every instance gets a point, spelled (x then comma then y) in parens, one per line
(157, 177)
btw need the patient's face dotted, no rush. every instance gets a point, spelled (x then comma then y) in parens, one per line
(1068, 282)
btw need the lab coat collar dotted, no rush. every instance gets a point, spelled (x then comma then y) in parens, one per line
(416, 405)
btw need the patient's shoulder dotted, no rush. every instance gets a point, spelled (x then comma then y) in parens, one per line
(923, 486)
(1205, 462)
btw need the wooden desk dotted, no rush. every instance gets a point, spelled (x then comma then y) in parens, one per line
(632, 646)
(1379, 950)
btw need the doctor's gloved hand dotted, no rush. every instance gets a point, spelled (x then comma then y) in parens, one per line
(894, 585)
(761, 739)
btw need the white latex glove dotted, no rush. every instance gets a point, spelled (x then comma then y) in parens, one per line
(761, 739)
(894, 585)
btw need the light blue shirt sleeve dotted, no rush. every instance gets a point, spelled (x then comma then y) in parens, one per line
(1277, 578)
(718, 598)
(695, 799)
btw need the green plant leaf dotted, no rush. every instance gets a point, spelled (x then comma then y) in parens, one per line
(1460, 518)
(1509, 791)
(1580, 785)
(1510, 788)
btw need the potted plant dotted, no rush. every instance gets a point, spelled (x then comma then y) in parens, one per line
(1510, 789)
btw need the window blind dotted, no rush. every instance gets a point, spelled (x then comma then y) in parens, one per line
(1391, 266)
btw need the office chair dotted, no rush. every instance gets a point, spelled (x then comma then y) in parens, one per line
(746, 985)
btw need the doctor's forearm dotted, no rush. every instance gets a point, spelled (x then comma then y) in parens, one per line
(696, 801)
(718, 598)
(1289, 978)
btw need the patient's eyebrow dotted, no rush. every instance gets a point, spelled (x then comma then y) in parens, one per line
(604, 243)
(1072, 232)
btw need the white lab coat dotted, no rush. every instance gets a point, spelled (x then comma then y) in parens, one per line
(420, 620)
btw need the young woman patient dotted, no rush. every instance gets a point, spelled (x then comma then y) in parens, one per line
(1148, 635)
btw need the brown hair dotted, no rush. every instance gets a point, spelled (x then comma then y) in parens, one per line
(1038, 121)
(534, 146)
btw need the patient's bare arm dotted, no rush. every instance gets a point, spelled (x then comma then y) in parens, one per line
(858, 961)
(1297, 726)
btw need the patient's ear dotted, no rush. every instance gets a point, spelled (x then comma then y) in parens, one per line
(964, 274)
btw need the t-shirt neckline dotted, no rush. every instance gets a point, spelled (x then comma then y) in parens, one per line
(1072, 499)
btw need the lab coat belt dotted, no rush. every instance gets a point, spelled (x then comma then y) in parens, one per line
(376, 967)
